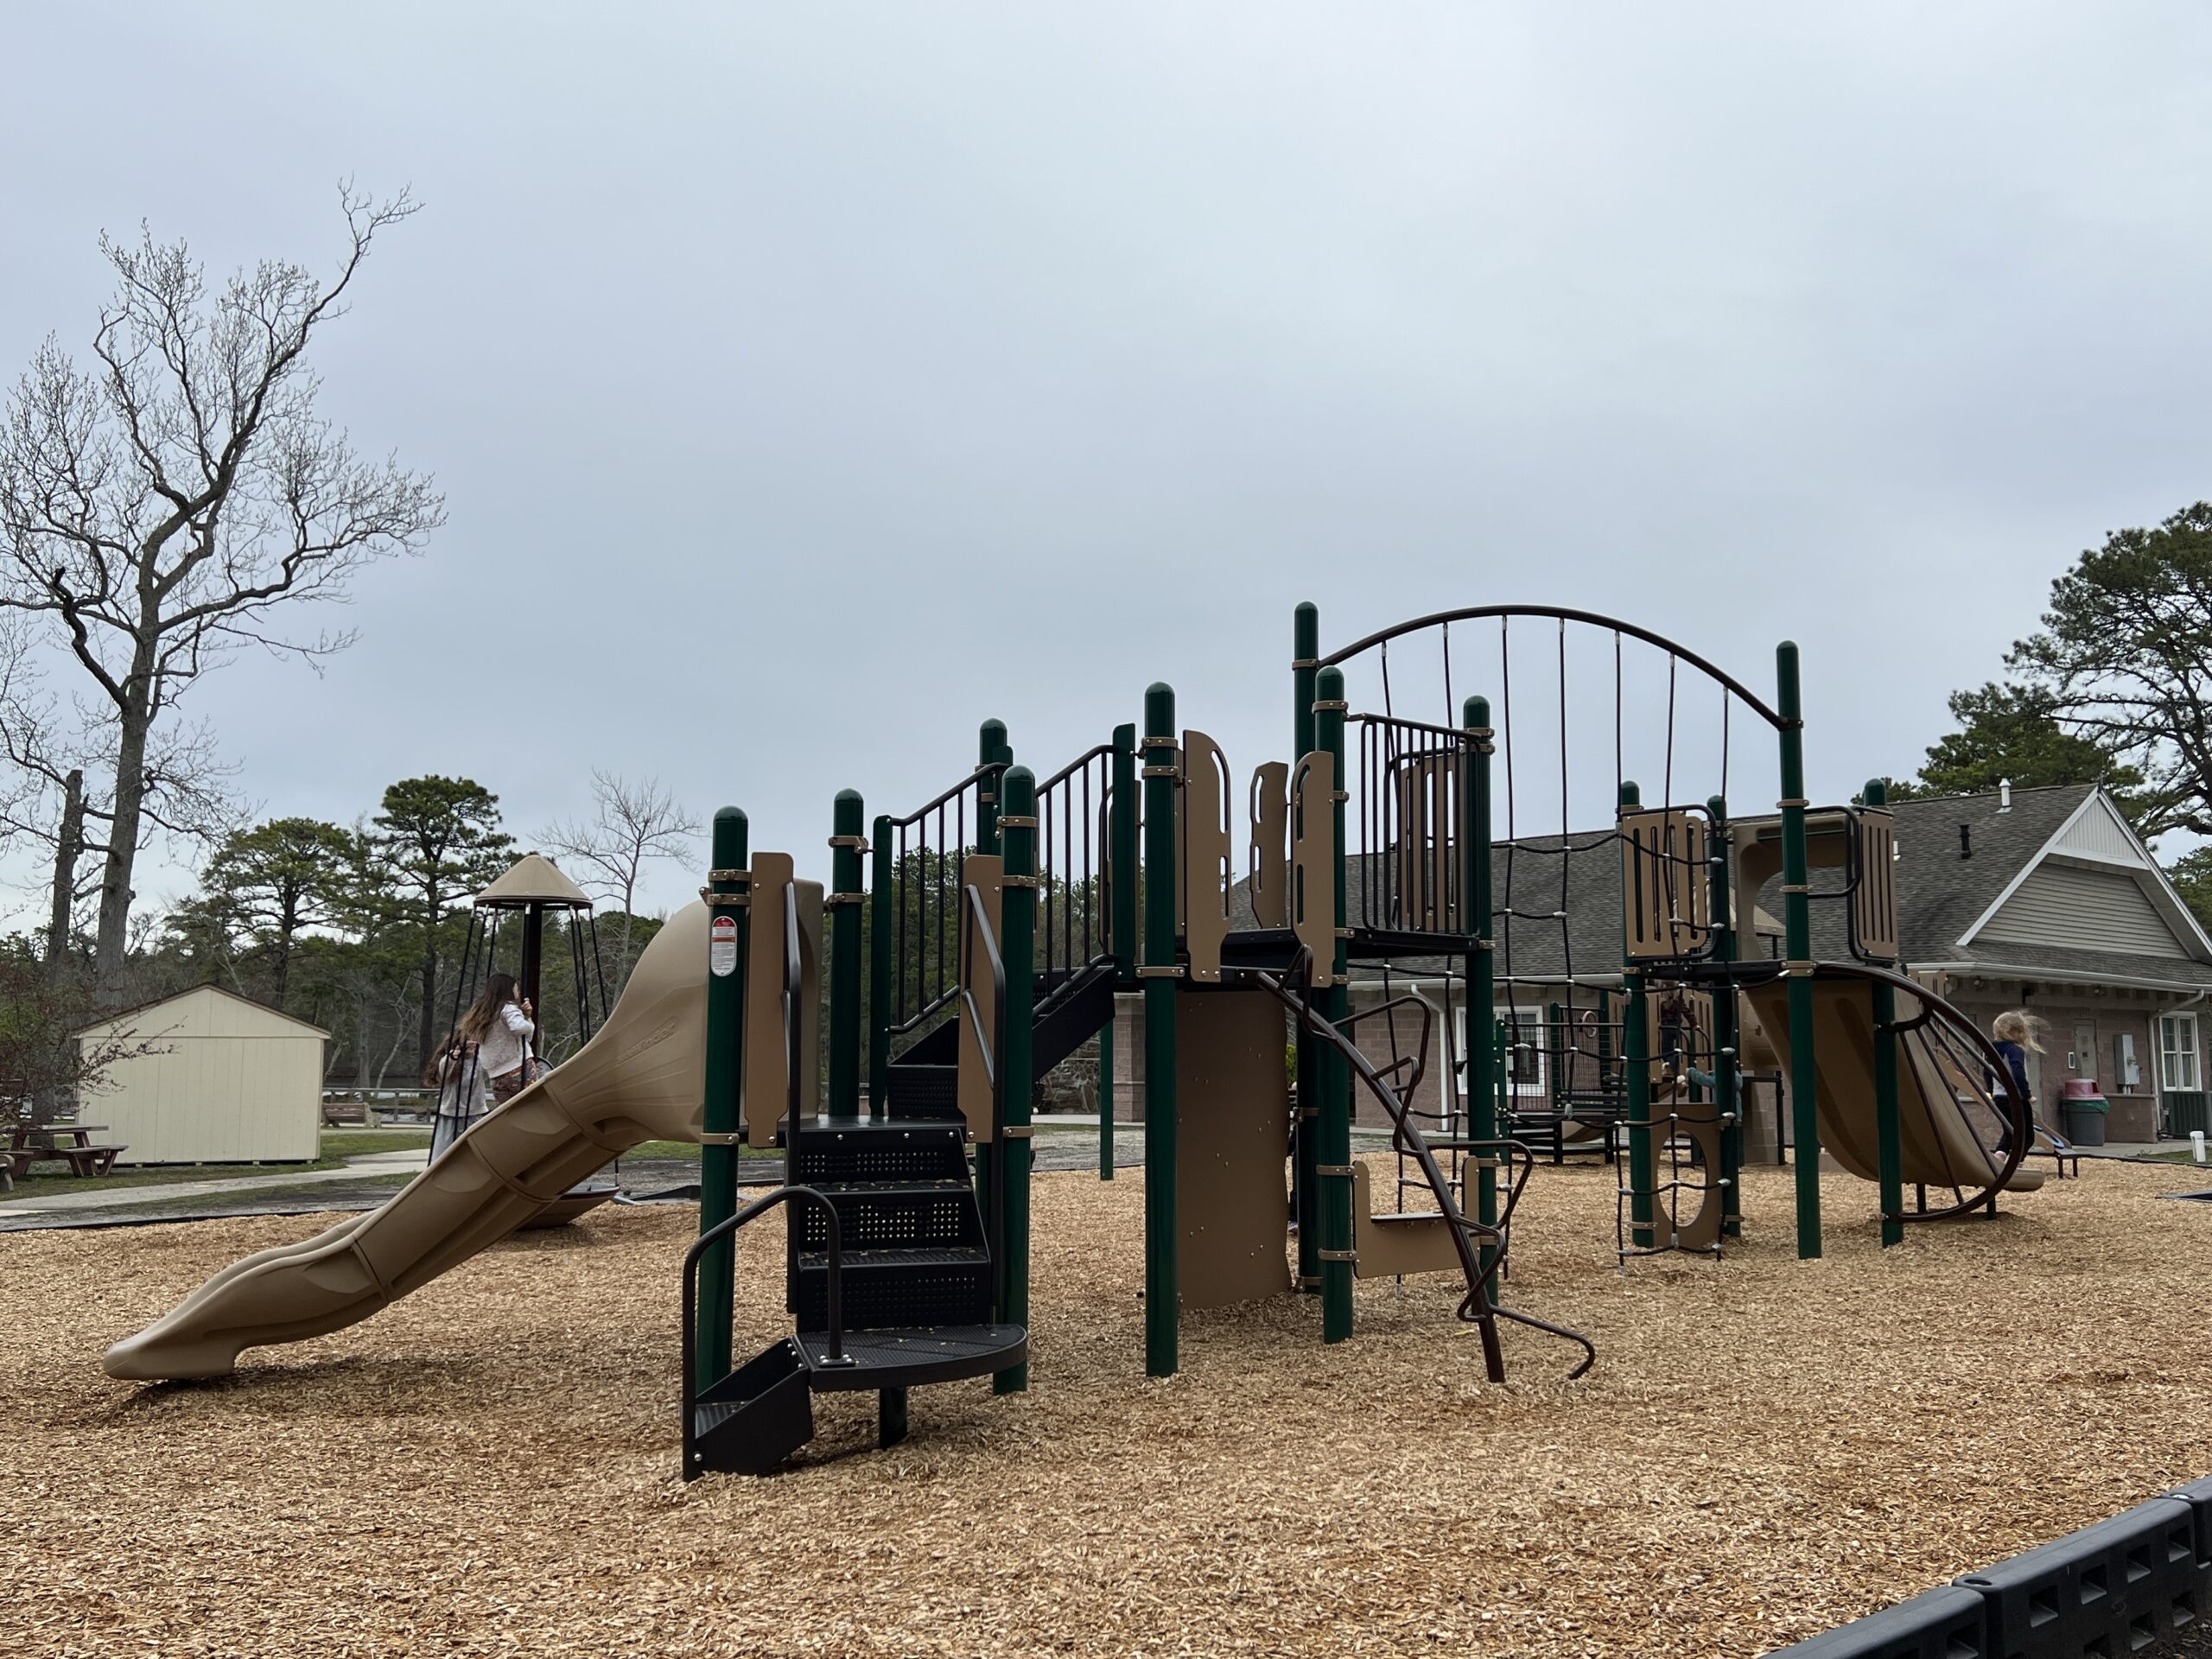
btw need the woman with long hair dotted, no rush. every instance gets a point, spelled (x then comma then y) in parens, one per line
(488, 1054)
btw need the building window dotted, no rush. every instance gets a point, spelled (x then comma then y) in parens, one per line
(2178, 1069)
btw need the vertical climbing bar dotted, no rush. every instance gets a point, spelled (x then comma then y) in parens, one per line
(1636, 1080)
(1121, 922)
(1334, 1151)
(1017, 948)
(1797, 935)
(883, 897)
(846, 843)
(729, 885)
(1727, 1039)
(1306, 646)
(1888, 1139)
(1480, 920)
(1162, 1287)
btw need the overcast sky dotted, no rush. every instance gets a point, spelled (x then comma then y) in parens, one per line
(809, 382)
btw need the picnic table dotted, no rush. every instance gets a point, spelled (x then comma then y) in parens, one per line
(71, 1142)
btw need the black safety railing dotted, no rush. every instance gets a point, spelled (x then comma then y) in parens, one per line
(1072, 925)
(929, 850)
(1410, 826)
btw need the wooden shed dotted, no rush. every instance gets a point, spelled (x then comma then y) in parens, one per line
(234, 1081)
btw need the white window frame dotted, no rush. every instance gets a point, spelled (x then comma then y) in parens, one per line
(2180, 1062)
(1520, 1018)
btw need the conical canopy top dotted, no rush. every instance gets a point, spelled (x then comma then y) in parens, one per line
(533, 880)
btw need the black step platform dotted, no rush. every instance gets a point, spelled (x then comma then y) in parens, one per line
(901, 1359)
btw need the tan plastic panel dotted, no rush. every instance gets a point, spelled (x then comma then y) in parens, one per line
(1206, 876)
(1270, 844)
(1313, 860)
(984, 871)
(1232, 1125)
(641, 1078)
(1665, 889)
(1937, 1151)
(1426, 791)
(1389, 1247)
(1874, 903)
(767, 1074)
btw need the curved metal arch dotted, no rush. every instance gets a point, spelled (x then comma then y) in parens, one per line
(1614, 625)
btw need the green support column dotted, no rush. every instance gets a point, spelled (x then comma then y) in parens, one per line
(729, 879)
(1304, 1185)
(882, 896)
(1482, 963)
(1889, 1150)
(1797, 932)
(1121, 922)
(846, 843)
(1018, 947)
(1333, 1190)
(991, 750)
(1163, 1296)
(1727, 1038)
(1636, 1079)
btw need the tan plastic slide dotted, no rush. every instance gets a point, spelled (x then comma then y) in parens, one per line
(641, 1078)
(1939, 1148)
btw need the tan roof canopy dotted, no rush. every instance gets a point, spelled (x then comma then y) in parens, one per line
(533, 880)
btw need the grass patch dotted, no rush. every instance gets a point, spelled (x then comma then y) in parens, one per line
(685, 1149)
(359, 1143)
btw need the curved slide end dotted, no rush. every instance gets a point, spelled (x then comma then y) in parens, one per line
(640, 1078)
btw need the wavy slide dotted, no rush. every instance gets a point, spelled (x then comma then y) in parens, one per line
(641, 1078)
(1948, 1122)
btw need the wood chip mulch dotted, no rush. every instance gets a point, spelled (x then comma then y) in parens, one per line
(1766, 1448)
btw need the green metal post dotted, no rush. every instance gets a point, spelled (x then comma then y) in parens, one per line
(1889, 1150)
(1636, 1077)
(1121, 922)
(1797, 933)
(1483, 1072)
(728, 884)
(845, 844)
(991, 749)
(1017, 948)
(1163, 1297)
(1727, 1085)
(1304, 1185)
(882, 896)
(1334, 1189)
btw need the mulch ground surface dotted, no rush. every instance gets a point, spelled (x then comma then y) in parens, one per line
(1767, 1447)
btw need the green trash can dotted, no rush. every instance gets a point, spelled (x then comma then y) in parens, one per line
(2083, 1110)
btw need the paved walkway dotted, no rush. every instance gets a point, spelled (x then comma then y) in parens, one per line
(405, 1161)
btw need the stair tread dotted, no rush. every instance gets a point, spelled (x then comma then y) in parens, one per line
(899, 1255)
(894, 1356)
(948, 1187)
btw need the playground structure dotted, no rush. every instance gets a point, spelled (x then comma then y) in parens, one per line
(1003, 917)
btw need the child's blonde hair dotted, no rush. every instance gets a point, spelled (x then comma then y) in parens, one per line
(2019, 1026)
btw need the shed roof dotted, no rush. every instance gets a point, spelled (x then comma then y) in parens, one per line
(134, 1013)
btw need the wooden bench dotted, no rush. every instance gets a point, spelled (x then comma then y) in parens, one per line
(20, 1159)
(90, 1160)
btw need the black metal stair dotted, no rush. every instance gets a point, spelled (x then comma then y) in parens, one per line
(916, 1286)
(1067, 1010)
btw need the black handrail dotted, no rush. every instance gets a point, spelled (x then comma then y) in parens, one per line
(979, 927)
(921, 988)
(837, 1356)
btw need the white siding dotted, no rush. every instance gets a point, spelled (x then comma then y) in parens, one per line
(2086, 910)
(234, 1083)
(2098, 833)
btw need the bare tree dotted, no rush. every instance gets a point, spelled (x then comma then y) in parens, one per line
(635, 823)
(160, 508)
